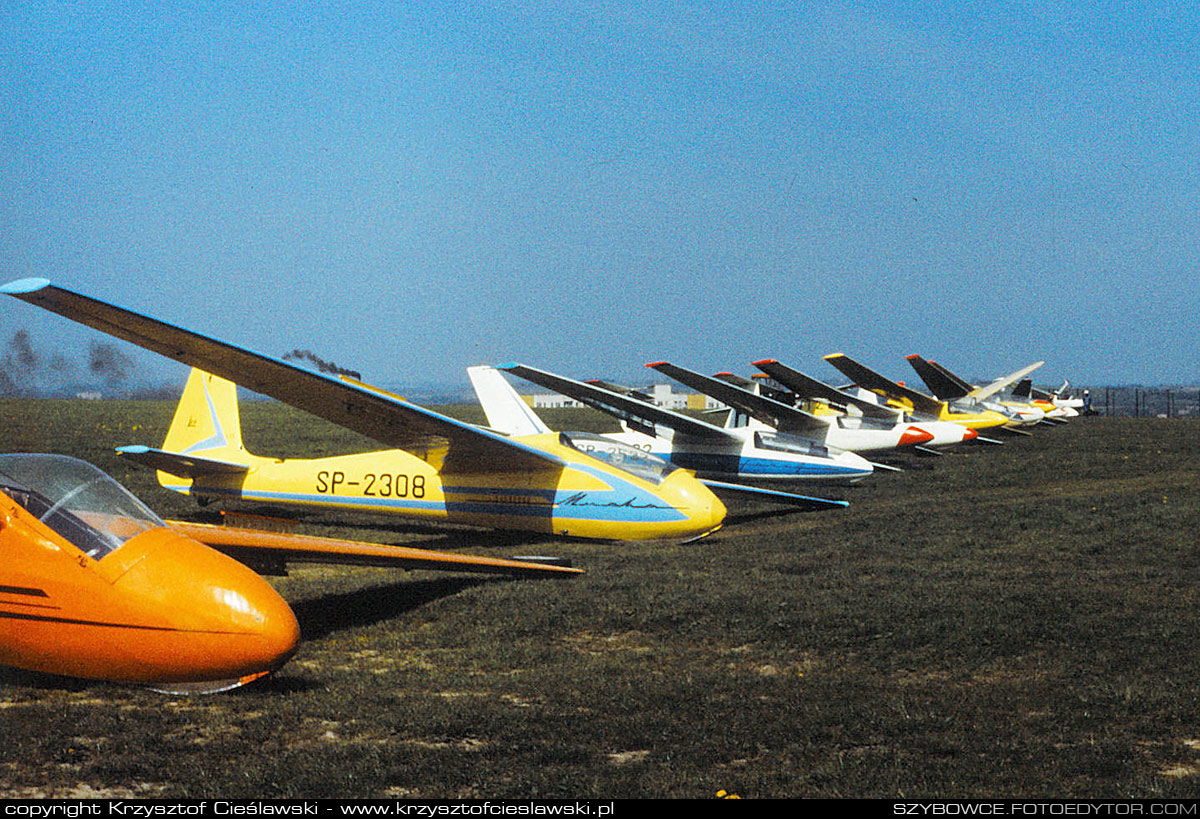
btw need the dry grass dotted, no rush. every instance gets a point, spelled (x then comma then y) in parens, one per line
(1015, 621)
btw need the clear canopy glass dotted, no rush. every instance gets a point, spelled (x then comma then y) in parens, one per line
(77, 500)
(623, 456)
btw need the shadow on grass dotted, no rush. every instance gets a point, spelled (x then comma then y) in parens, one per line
(766, 514)
(281, 682)
(47, 682)
(324, 615)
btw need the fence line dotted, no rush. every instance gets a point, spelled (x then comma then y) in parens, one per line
(1145, 402)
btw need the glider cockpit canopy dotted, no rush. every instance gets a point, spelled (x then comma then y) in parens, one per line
(76, 500)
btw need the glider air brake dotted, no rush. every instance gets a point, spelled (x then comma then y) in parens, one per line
(825, 430)
(859, 413)
(916, 403)
(709, 450)
(95, 585)
(508, 412)
(440, 469)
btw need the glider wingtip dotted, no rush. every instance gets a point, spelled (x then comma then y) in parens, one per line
(23, 286)
(132, 449)
(764, 361)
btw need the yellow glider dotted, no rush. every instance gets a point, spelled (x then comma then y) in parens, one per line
(436, 468)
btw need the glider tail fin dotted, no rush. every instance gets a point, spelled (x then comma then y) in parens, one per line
(506, 410)
(207, 419)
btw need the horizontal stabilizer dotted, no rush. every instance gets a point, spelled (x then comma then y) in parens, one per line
(774, 496)
(179, 464)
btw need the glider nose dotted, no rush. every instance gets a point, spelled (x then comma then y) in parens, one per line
(218, 624)
(704, 511)
(915, 435)
(263, 629)
(854, 467)
(970, 434)
(712, 514)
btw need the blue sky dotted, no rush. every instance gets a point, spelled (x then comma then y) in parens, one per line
(587, 187)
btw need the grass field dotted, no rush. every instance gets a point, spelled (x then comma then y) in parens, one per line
(1015, 621)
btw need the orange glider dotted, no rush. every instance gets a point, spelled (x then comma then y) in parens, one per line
(95, 585)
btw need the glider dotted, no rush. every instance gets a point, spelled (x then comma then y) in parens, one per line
(949, 387)
(95, 585)
(709, 450)
(854, 413)
(436, 468)
(912, 402)
(825, 430)
(508, 412)
(1058, 405)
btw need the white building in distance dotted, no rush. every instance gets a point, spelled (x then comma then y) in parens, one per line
(660, 394)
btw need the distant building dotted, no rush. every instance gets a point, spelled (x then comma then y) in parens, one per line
(660, 394)
(89, 396)
(550, 400)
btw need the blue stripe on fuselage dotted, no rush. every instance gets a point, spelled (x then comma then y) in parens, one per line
(623, 501)
(759, 467)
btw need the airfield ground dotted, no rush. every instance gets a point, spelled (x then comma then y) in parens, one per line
(1015, 621)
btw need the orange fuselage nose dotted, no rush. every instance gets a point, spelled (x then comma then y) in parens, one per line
(161, 610)
(214, 619)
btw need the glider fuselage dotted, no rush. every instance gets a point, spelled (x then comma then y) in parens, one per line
(752, 454)
(159, 609)
(585, 498)
(861, 434)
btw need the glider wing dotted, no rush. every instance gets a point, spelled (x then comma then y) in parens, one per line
(251, 544)
(618, 405)
(452, 445)
(772, 413)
